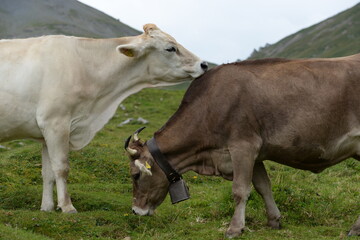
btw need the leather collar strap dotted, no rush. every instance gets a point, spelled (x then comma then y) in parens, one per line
(171, 174)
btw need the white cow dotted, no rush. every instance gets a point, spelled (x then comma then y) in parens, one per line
(61, 90)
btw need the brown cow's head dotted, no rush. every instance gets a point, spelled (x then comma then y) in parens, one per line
(150, 184)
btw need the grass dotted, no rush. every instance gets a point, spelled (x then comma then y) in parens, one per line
(314, 206)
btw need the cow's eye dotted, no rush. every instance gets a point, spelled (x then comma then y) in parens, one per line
(171, 49)
(136, 176)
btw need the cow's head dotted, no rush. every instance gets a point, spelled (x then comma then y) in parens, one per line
(150, 185)
(166, 60)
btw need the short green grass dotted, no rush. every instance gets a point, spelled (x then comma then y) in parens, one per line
(314, 206)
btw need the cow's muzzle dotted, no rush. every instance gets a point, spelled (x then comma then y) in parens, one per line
(142, 212)
(204, 66)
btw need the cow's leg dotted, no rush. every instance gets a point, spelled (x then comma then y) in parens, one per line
(57, 137)
(262, 185)
(243, 157)
(47, 203)
(355, 230)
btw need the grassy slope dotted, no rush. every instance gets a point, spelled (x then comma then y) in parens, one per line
(334, 37)
(322, 206)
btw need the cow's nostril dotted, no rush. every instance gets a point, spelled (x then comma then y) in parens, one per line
(204, 66)
(134, 212)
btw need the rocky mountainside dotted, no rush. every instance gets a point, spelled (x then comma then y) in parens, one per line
(336, 36)
(28, 18)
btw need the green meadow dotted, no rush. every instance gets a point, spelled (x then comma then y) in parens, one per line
(313, 206)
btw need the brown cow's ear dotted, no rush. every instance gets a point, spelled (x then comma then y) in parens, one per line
(128, 50)
(148, 28)
(144, 169)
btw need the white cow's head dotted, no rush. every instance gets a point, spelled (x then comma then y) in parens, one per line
(166, 60)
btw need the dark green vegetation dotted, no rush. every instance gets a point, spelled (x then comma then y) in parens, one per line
(334, 37)
(29, 18)
(314, 206)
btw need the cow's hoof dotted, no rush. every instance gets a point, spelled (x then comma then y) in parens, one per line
(274, 224)
(233, 233)
(72, 211)
(68, 209)
(47, 208)
(354, 232)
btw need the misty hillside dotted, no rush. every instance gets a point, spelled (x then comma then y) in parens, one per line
(336, 36)
(28, 18)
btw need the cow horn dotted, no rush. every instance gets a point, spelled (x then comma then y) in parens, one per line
(136, 138)
(127, 142)
(131, 151)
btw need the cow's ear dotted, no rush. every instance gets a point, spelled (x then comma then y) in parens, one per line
(149, 28)
(128, 50)
(146, 169)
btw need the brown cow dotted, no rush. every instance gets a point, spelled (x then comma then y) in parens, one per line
(300, 113)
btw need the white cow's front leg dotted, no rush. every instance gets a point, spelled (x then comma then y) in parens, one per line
(57, 141)
(47, 203)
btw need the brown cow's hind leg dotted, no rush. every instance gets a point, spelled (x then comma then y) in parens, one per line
(355, 230)
(262, 185)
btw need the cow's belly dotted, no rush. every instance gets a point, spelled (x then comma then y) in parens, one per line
(346, 146)
(17, 121)
(315, 157)
(223, 166)
(20, 80)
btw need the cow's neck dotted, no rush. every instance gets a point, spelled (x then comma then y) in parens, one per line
(186, 143)
(115, 75)
(104, 63)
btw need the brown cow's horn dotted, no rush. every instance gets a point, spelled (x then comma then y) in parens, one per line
(127, 142)
(136, 137)
(131, 151)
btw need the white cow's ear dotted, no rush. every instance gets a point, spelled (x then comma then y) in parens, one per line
(144, 169)
(129, 50)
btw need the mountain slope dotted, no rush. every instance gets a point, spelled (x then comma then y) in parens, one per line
(28, 18)
(336, 36)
